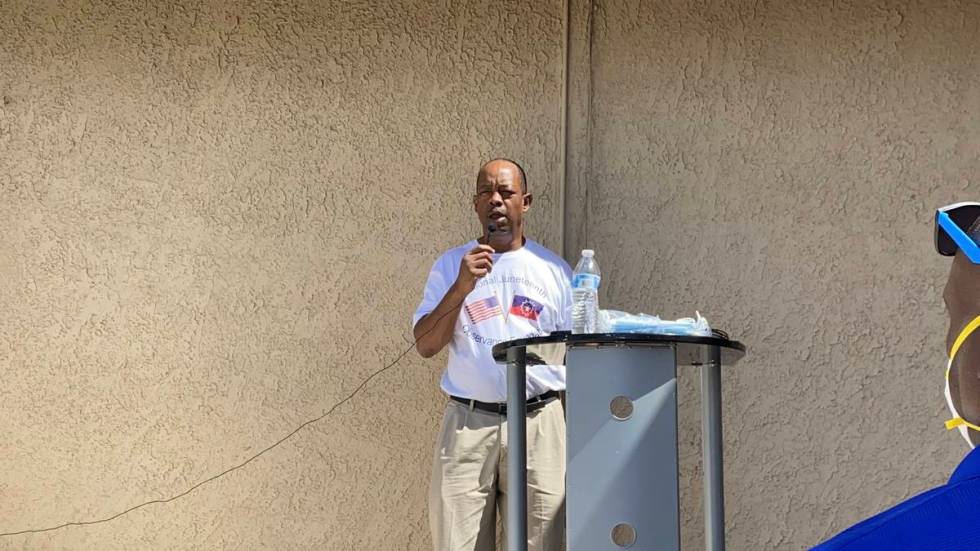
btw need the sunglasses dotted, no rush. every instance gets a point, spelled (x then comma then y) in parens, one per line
(950, 233)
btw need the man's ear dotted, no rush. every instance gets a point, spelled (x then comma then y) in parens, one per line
(527, 202)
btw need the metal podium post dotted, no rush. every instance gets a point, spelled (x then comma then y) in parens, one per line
(711, 449)
(517, 448)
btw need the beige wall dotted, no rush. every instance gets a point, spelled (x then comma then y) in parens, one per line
(216, 220)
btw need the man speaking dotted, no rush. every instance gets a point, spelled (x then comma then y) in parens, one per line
(498, 287)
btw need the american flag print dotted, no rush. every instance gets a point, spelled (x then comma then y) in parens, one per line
(526, 308)
(483, 309)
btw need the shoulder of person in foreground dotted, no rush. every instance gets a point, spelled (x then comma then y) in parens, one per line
(940, 518)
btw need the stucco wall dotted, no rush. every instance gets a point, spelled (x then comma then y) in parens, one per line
(216, 219)
(775, 165)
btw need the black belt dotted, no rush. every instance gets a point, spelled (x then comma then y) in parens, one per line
(500, 408)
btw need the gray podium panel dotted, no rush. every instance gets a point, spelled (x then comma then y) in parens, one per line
(622, 478)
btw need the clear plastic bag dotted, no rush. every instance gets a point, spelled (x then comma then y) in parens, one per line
(615, 321)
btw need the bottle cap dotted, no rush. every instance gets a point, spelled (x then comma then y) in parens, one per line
(588, 252)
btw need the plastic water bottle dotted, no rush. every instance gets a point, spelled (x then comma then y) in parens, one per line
(585, 294)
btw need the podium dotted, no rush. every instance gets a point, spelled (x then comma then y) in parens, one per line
(621, 414)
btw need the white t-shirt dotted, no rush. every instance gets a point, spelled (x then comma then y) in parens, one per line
(528, 293)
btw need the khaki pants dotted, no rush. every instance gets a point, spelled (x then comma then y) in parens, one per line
(469, 479)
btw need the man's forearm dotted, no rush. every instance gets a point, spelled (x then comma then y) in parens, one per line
(434, 331)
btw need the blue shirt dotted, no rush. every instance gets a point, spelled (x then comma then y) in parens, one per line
(947, 518)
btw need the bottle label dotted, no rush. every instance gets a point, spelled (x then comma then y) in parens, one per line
(585, 281)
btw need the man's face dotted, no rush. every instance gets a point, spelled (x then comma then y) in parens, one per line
(500, 199)
(962, 297)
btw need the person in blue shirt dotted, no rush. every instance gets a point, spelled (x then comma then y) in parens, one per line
(945, 517)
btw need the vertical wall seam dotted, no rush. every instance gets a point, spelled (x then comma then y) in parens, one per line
(565, 145)
(577, 123)
(590, 96)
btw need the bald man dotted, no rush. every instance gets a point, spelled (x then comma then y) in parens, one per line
(498, 287)
(944, 518)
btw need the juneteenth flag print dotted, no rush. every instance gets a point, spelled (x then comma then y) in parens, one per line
(526, 308)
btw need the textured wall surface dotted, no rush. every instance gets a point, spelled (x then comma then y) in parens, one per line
(216, 219)
(775, 165)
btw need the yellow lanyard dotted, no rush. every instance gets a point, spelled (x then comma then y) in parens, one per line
(966, 332)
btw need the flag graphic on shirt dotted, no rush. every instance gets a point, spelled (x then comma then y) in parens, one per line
(483, 309)
(526, 308)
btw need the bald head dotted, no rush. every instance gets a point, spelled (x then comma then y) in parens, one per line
(512, 168)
